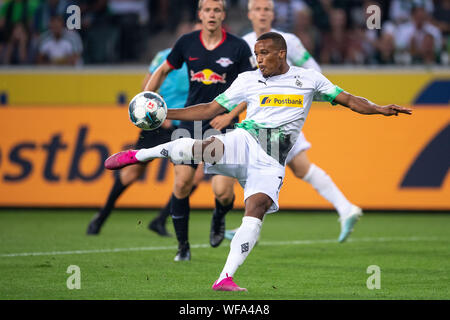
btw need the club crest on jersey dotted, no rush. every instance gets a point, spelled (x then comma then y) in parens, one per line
(281, 100)
(224, 62)
(298, 83)
(207, 76)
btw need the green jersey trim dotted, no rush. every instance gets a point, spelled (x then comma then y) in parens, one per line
(251, 126)
(303, 59)
(224, 102)
(331, 96)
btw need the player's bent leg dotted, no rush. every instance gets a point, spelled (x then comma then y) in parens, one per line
(300, 164)
(223, 188)
(125, 178)
(198, 177)
(324, 185)
(180, 209)
(244, 240)
(348, 223)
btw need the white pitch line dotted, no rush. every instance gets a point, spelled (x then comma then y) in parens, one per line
(262, 243)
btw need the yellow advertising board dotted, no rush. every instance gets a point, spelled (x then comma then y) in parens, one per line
(108, 86)
(53, 156)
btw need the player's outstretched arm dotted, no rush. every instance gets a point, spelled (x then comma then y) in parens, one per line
(203, 111)
(157, 78)
(364, 106)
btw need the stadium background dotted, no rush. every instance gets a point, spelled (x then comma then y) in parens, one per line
(59, 123)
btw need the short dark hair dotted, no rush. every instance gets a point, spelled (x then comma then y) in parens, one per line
(277, 39)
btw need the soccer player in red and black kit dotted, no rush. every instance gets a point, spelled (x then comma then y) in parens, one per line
(214, 58)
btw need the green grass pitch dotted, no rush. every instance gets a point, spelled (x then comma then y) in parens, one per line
(297, 257)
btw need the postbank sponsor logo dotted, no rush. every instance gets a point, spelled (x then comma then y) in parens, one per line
(281, 100)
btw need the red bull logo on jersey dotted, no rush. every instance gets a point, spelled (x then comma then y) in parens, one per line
(207, 76)
(281, 100)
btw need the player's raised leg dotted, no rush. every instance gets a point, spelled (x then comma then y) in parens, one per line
(324, 185)
(178, 150)
(243, 241)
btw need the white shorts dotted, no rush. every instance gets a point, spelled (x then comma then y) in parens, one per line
(300, 145)
(245, 160)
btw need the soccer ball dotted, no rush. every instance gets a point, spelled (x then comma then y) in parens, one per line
(147, 110)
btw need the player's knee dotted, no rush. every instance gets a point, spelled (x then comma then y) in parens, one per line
(257, 205)
(182, 188)
(299, 171)
(224, 196)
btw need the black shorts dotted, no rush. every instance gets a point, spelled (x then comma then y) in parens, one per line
(150, 139)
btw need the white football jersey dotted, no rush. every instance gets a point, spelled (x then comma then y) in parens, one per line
(297, 55)
(279, 102)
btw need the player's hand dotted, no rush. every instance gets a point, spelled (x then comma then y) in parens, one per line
(166, 124)
(221, 121)
(393, 110)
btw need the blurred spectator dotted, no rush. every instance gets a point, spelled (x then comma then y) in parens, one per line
(41, 21)
(418, 38)
(59, 46)
(46, 10)
(159, 15)
(400, 10)
(335, 31)
(321, 10)
(100, 35)
(130, 16)
(285, 13)
(370, 46)
(95, 13)
(169, 14)
(441, 16)
(136, 8)
(442, 21)
(385, 45)
(308, 33)
(16, 17)
(336, 42)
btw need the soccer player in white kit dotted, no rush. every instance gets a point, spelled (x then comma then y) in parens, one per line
(278, 100)
(261, 14)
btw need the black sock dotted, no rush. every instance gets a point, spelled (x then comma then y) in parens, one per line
(193, 189)
(114, 194)
(180, 217)
(164, 212)
(222, 210)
